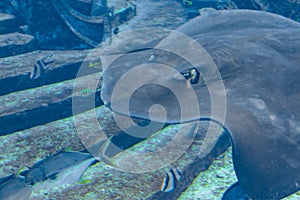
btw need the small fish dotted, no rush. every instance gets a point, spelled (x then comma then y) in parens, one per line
(38, 70)
(169, 182)
(53, 165)
(40, 67)
(68, 175)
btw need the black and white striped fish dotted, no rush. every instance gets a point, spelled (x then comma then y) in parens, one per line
(38, 70)
(169, 182)
(40, 67)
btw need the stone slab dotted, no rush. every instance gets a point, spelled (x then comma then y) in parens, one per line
(16, 43)
(8, 23)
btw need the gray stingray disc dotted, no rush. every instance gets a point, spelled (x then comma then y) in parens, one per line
(258, 57)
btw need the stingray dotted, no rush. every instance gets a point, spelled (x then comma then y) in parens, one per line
(248, 82)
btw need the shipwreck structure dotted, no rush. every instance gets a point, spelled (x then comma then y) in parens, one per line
(68, 24)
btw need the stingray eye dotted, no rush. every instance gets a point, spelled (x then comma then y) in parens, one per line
(192, 75)
(186, 75)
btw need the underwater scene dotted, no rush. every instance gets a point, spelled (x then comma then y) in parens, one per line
(149, 99)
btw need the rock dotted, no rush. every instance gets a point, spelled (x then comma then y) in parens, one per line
(50, 102)
(68, 24)
(25, 148)
(16, 70)
(16, 43)
(208, 185)
(6, 7)
(8, 23)
(50, 29)
(104, 182)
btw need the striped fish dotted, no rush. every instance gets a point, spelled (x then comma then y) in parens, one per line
(40, 67)
(169, 182)
(38, 70)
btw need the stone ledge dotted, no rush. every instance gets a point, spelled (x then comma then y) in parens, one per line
(16, 43)
(8, 23)
(50, 102)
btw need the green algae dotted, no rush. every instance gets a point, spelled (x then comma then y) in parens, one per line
(211, 184)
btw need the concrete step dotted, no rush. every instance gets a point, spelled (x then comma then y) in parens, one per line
(8, 23)
(25, 148)
(53, 137)
(50, 138)
(15, 71)
(16, 43)
(33, 107)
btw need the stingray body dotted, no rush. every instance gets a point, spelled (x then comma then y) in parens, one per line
(258, 57)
